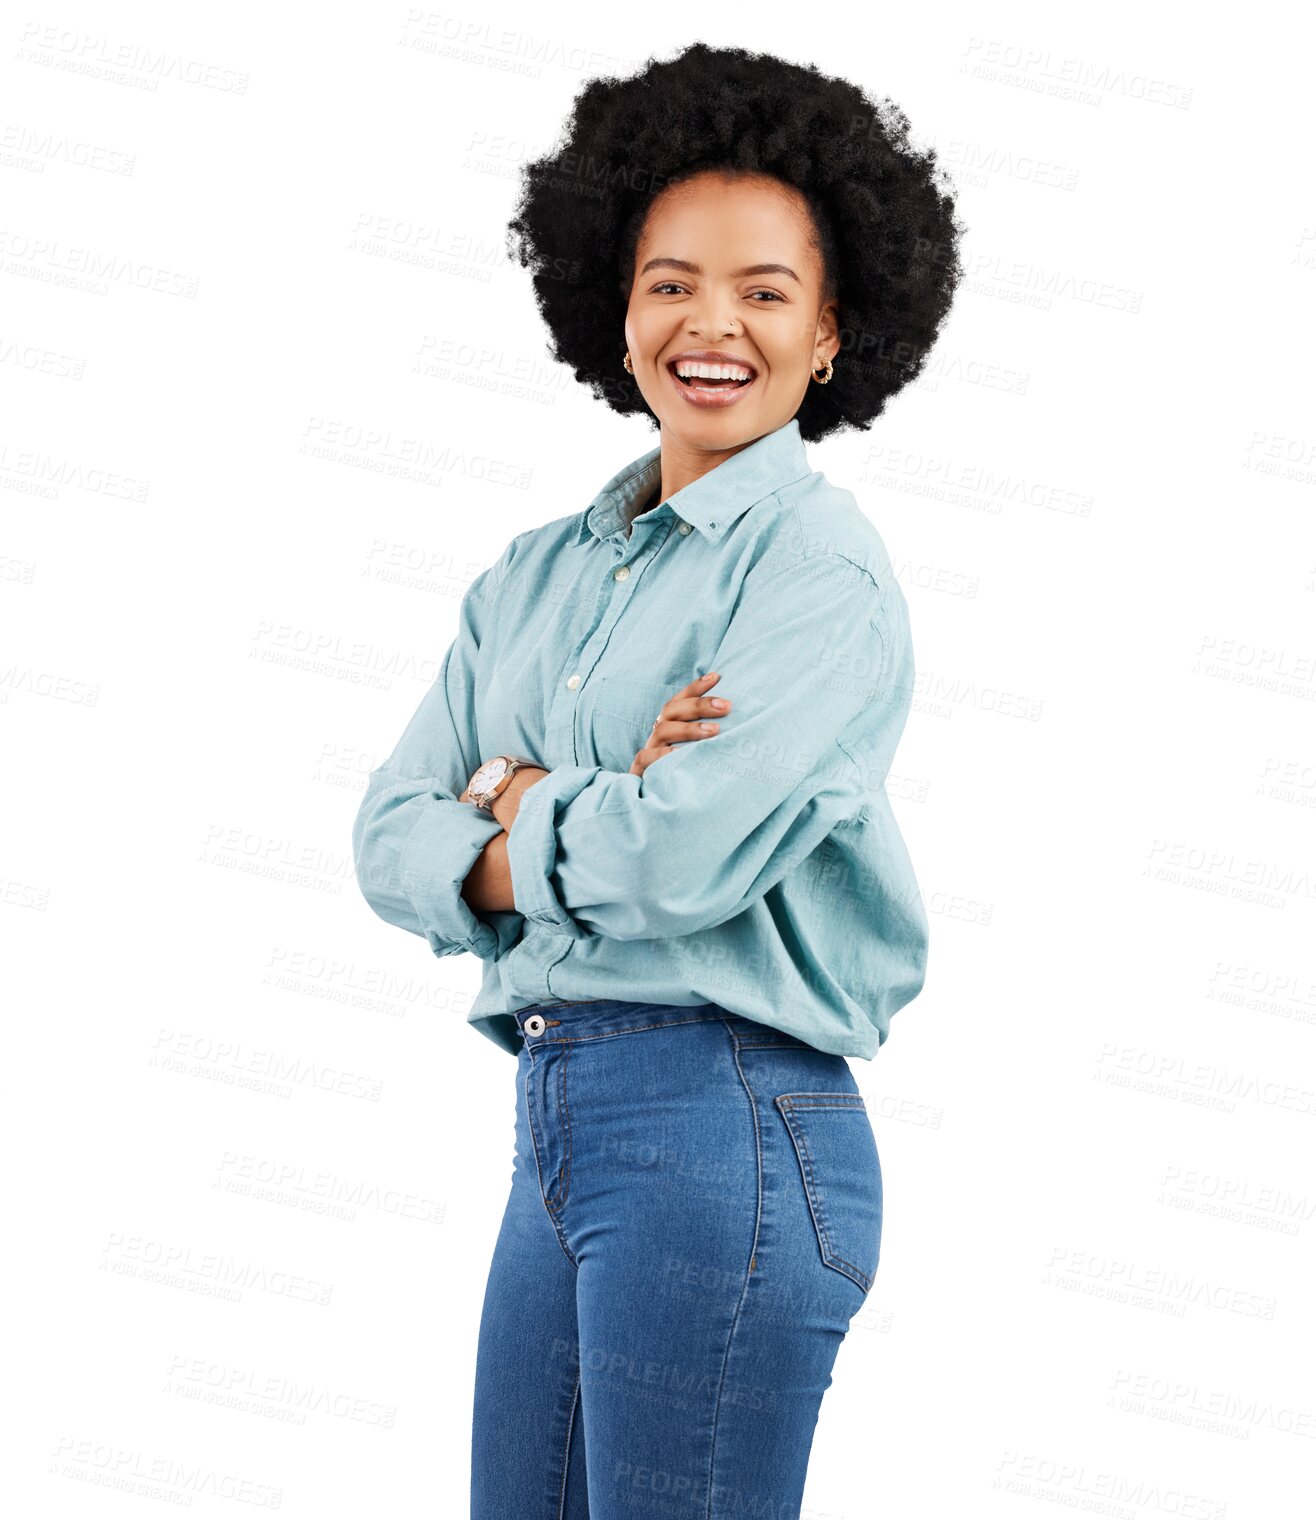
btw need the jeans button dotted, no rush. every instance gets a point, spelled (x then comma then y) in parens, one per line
(535, 1024)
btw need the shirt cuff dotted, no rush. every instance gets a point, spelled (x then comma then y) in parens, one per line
(436, 859)
(532, 847)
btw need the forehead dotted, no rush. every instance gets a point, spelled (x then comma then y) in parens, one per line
(721, 220)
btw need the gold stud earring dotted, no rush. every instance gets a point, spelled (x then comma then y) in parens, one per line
(626, 362)
(826, 377)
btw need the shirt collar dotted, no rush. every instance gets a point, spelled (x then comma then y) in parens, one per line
(713, 502)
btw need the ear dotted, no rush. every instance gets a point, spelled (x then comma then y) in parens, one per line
(826, 340)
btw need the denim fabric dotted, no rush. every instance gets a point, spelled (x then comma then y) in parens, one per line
(694, 1219)
(761, 868)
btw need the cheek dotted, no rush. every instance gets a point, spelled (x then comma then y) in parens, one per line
(789, 352)
(788, 372)
(646, 330)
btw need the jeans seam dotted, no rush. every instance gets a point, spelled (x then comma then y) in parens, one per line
(565, 1174)
(848, 1101)
(611, 1034)
(539, 1171)
(566, 1448)
(744, 1288)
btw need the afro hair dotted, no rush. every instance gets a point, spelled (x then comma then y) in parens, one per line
(883, 213)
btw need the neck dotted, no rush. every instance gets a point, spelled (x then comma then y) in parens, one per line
(683, 464)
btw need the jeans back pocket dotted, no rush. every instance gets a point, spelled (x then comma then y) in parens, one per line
(837, 1153)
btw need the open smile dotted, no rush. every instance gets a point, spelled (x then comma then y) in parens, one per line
(706, 391)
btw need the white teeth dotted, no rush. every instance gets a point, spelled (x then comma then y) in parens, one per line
(692, 371)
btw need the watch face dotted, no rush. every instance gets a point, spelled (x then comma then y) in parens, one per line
(489, 774)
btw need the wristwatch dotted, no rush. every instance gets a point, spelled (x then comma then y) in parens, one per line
(492, 778)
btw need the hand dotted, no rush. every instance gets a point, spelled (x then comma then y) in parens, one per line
(678, 723)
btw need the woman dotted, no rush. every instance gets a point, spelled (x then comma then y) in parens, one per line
(647, 788)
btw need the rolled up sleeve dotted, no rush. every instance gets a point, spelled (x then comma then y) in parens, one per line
(413, 842)
(413, 854)
(714, 824)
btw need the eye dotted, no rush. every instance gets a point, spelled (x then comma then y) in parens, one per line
(776, 296)
(666, 285)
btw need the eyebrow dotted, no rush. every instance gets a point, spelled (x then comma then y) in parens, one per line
(736, 274)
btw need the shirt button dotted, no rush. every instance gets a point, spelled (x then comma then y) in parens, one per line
(684, 528)
(573, 682)
(622, 573)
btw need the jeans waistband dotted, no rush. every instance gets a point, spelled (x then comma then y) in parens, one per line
(595, 1019)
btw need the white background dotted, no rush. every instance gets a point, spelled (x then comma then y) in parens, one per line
(273, 395)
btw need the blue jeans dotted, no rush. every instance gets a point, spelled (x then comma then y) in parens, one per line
(694, 1219)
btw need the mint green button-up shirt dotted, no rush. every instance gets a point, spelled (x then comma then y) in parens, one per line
(761, 868)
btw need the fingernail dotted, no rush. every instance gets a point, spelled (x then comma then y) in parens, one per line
(710, 727)
(719, 702)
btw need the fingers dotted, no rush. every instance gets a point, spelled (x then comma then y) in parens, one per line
(691, 693)
(681, 718)
(647, 756)
(682, 731)
(687, 716)
(691, 702)
(697, 699)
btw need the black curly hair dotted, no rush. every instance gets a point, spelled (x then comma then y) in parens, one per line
(882, 210)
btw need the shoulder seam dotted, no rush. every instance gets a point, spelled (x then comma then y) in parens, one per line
(499, 566)
(858, 769)
(823, 555)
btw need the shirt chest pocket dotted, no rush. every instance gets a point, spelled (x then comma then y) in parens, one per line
(623, 714)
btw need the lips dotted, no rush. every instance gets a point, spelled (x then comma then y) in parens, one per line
(713, 394)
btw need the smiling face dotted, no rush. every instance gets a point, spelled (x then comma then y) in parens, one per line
(727, 267)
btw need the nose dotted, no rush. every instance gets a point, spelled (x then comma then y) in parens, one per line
(710, 321)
